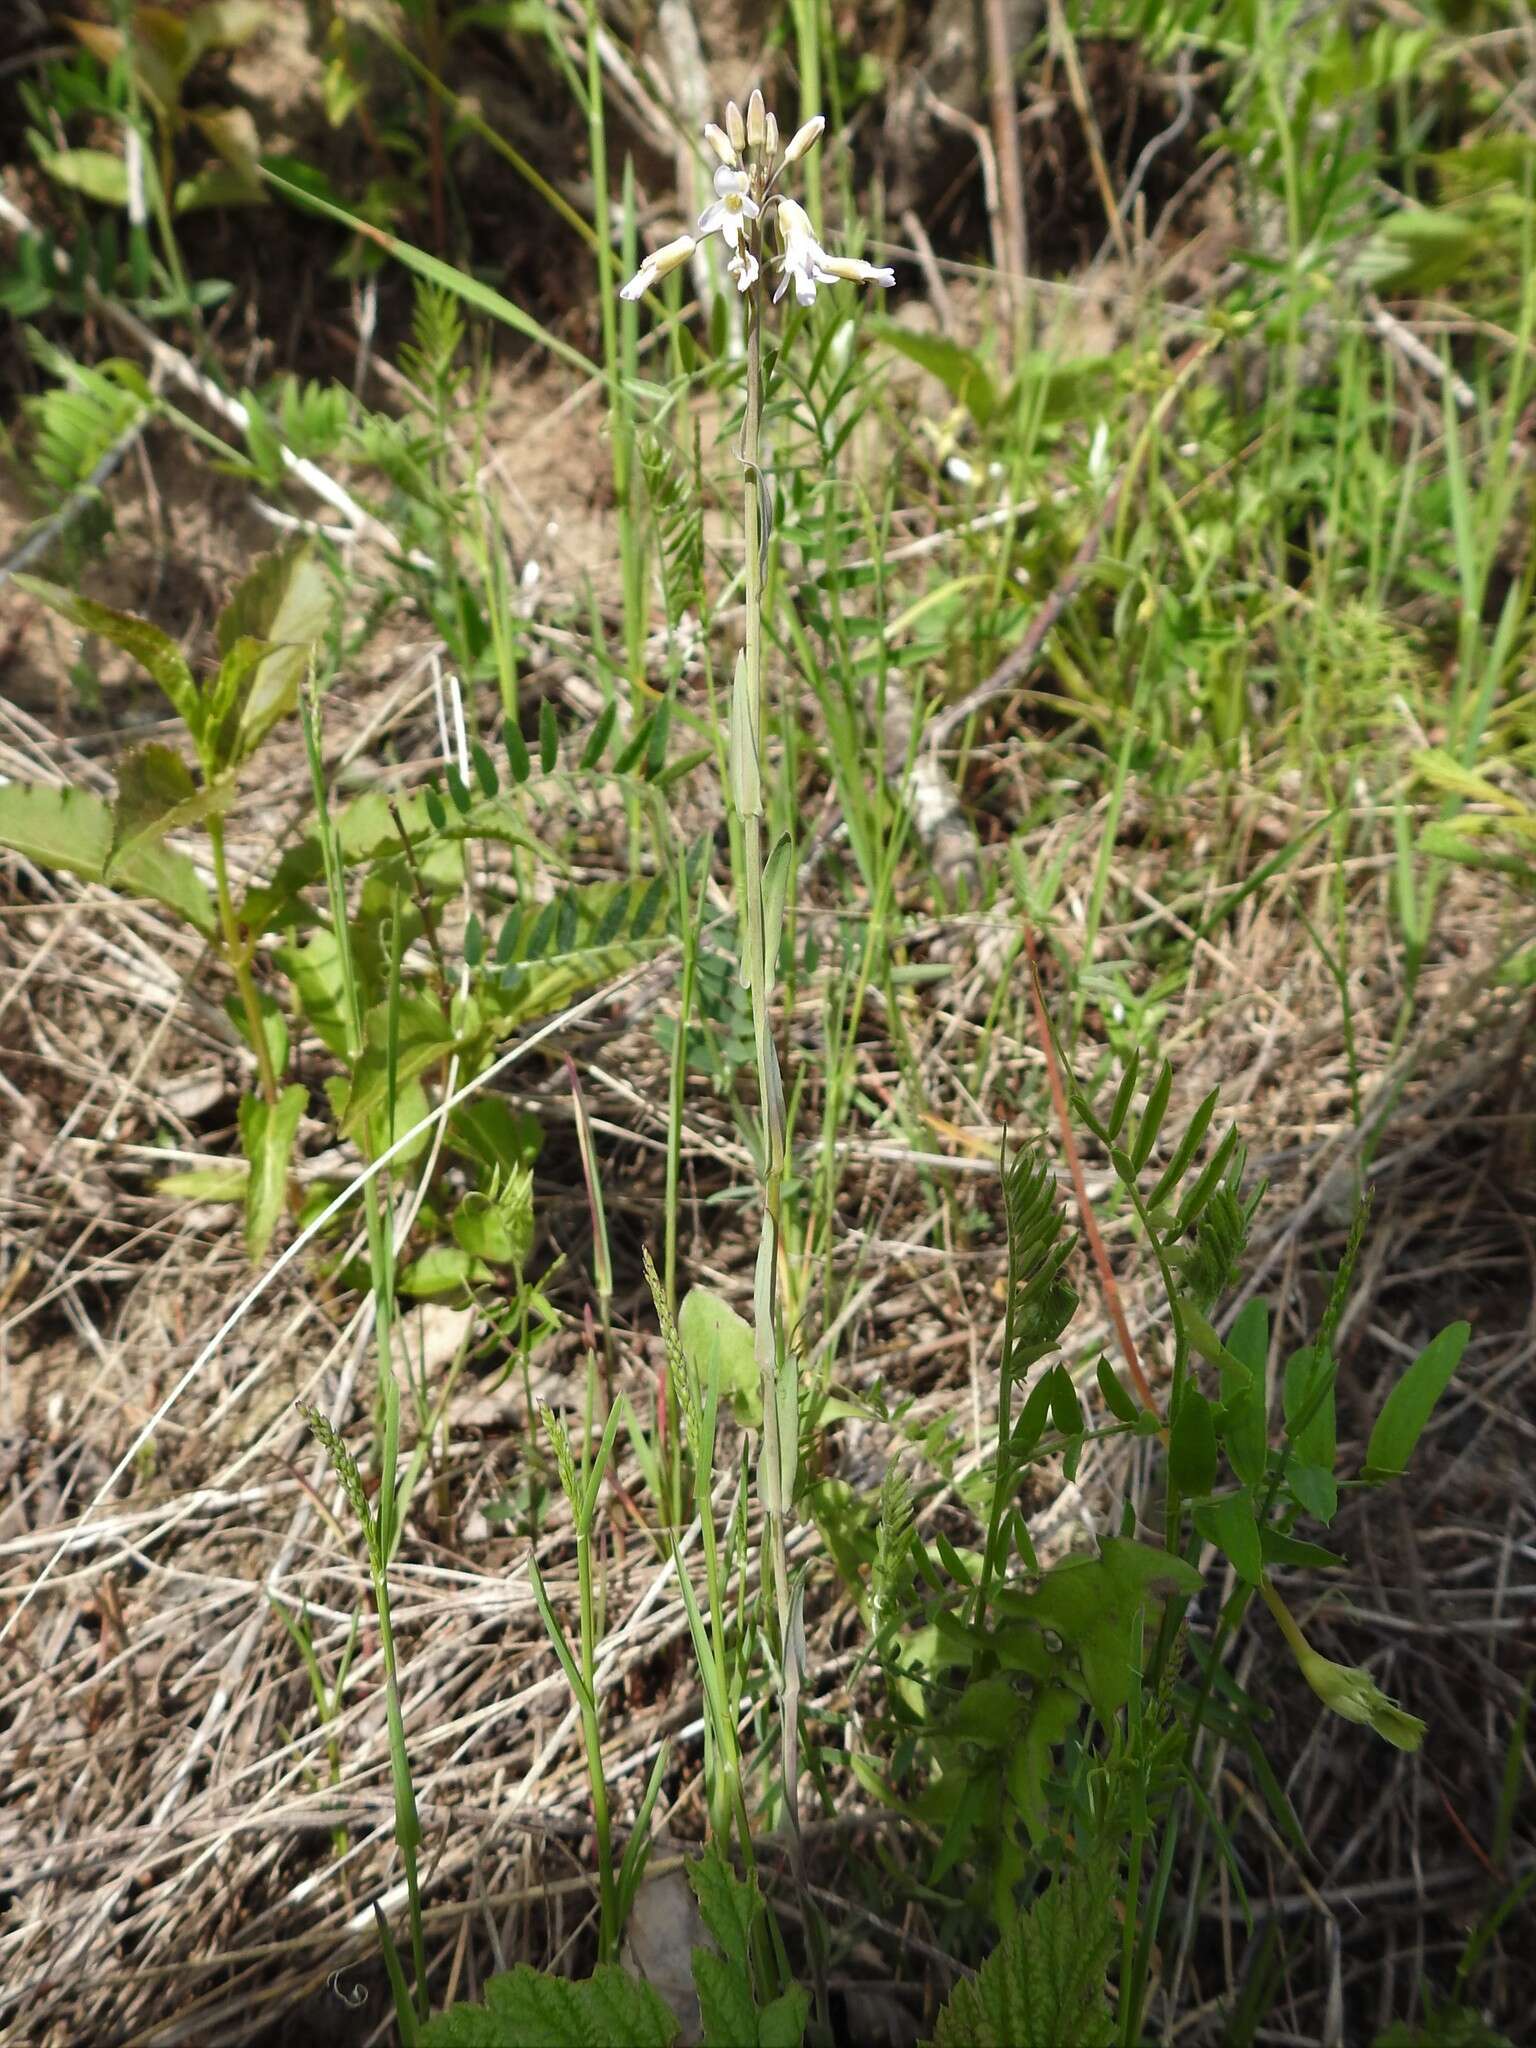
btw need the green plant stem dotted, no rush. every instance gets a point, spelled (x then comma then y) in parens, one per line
(407, 1820)
(238, 959)
(608, 1924)
(776, 1478)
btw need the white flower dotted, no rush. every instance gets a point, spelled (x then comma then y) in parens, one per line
(656, 266)
(808, 264)
(803, 259)
(733, 207)
(743, 267)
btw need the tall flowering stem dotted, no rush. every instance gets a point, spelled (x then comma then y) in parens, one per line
(749, 165)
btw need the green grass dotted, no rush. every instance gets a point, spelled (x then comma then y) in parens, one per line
(1261, 760)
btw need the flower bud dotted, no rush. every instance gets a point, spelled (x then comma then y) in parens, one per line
(735, 127)
(757, 120)
(771, 140)
(1351, 1692)
(720, 143)
(805, 138)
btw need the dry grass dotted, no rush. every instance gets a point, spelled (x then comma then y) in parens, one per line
(171, 1864)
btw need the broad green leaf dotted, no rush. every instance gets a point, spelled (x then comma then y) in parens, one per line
(97, 173)
(1043, 1986)
(151, 649)
(781, 2023)
(447, 1269)
(1411, 1402)
(1279, 1548)
(526, 2009)
(1314, 1488)
(1119, 1403)
(1092, 1604)
(1055, 1712)
(424, 1040)
(714, 1334)
(498, 1227)
(71, 829)
(1230, 1524)
(1192, 1444)
(725, 2001)
(156, 794)
(267, 1132)
(215, 187)
(501, 1139)
(286, 602)
(314, 968)
(960, 370)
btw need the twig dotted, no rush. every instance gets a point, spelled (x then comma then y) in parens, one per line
(1091, 1231)
(1005, 140)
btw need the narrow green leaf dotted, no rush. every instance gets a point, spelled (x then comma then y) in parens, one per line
(598, 739)
(1152, 1117)
(1192, 1444)
(1119, 1403)
(267, 1132)
(1410, 1404)
(549, 737)
(517, 751)
(1230, 1524)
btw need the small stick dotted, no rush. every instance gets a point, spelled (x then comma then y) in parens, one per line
(1080, 1186)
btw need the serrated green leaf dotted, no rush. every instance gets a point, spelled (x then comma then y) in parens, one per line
(1043, 1986)
(153, 650)
(525, 2009)
(285, 602)
(1408, 1407)
(156, 795)
(725, 2001)
(781, 2023)
(267, 1132)
(71, 829)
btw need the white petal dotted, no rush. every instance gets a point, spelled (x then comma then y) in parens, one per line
(712, 218)
(641, 282)
(729, 180)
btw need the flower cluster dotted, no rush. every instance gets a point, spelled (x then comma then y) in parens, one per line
(748, 167)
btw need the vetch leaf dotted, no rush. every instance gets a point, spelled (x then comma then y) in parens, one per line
(1408, 1407)
(1192, 1444)
(97, 173)
(1230, 1524)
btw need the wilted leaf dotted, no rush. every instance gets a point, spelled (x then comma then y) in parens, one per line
(156, 795)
